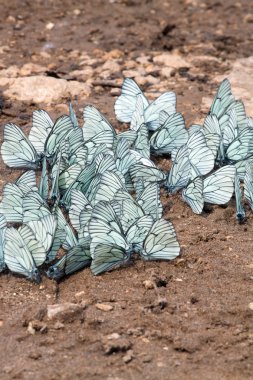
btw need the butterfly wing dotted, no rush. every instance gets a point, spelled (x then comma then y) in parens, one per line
(141, 144)
(138, 115)
(34, 246)
(44, 186)
(193, 195)
(95, 123)
(80, 210)
(231, 130)
(34, 207)
(179, 174)
(59, 132)
(44, 230)
(248, 185)
(28, 179)
(170, 135)
(149, 200)
(138, 231)
(241, 147)
(12, 203)
(223, 99)
(69, 176)
(165, 102)
(146, 173)
(161, 242)
(107, 257)
(218, 187)
(124, 158)
(103, 187)
(72, 116)
(200, 156)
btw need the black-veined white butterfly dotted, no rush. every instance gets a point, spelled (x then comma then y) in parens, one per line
(126, 104)
(75, 259)
(17, 256)
(240, 212)
(17, 151)
(3, 226)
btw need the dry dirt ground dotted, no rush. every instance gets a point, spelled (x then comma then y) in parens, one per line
(196, 322)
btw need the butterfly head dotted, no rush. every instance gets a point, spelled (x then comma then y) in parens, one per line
(35, 276)
(55, 273)
(240, 216)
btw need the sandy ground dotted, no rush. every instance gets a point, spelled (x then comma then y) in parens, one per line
(196, 322)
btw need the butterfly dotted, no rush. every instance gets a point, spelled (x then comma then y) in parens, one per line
(179, 174)
(18, 257)
(248, 185)
(161, 242)
(223, 99)
(14, 194)
(95, 124)
(64, 236)
(240, 212)
(3, 226)
(17, 151)
(193, 195)
(125, 105)
(44, 186)
(75, 259)
(217, 188)
(72, 116)
(241, 167)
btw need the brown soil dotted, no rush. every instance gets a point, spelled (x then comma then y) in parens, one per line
(196, 322)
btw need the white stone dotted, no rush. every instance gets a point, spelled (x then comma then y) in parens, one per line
(62, 309)
(171, 60)
(41, 89)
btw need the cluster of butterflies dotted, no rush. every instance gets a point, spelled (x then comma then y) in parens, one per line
(209, 161)
(88, 197)
(97, 201)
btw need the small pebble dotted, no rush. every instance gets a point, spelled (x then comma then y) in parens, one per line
(128, 357)
(113, 336)
(30, 329)
(76, 12)
(148, 284)
(104, 307)
(79, 295)
(50, 26)
(251, 305)
(34, 355)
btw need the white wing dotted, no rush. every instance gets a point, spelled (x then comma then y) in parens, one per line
(218, 188)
